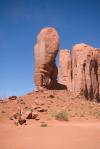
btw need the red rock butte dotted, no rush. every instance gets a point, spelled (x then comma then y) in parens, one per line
(78, 71)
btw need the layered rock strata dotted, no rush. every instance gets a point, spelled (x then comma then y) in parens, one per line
(65, 68)
(80, 71)
(45, 51)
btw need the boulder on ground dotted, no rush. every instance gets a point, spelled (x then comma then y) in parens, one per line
(12, 97)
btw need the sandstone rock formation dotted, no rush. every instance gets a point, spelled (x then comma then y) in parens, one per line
(85, 71)
(45, 51)
(65, 68)
(98, 62)
(81, 71)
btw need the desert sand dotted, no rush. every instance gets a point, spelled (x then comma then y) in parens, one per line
(56, 136)
(80, 131)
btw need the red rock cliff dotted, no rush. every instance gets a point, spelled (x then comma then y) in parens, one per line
(81, 72)
(65, 68)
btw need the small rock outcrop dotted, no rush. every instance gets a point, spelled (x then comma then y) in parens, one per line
(12, 98)
(80, 72)
(45, 51)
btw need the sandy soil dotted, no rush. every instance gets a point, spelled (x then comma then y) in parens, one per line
(81, 131)
(54, 101)
(58, 135)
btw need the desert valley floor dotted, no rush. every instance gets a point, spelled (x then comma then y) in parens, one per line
(81, 129)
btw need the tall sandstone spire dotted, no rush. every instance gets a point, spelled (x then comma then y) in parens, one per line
(45, 51)
(64, 70)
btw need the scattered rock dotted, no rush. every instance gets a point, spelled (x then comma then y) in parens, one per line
(21, 121)
(14, 116)
(29, 114)
(36, 107)
(37, 118)
(42, 110)
(12, 97)
(51, 96)
(21, 116)
(26, 114)
(34, 115)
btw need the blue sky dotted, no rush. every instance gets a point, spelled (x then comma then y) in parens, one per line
(21, 20)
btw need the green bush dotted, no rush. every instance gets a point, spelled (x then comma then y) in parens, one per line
(62, 116)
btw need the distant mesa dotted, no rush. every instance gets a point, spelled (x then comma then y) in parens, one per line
(79, 72)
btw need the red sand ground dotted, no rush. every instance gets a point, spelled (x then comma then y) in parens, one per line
(82, 131)
(59, 136)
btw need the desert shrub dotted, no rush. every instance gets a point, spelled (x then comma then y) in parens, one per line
(43, 124)
(62, 116)
(97, 114)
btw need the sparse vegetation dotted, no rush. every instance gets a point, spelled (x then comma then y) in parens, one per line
(97, 114)
(43, 124)
(62, 116)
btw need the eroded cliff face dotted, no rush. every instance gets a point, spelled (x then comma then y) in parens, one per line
(98, 72)
(80, 72)
(45, 51)
(65, 68)
(85, 71)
